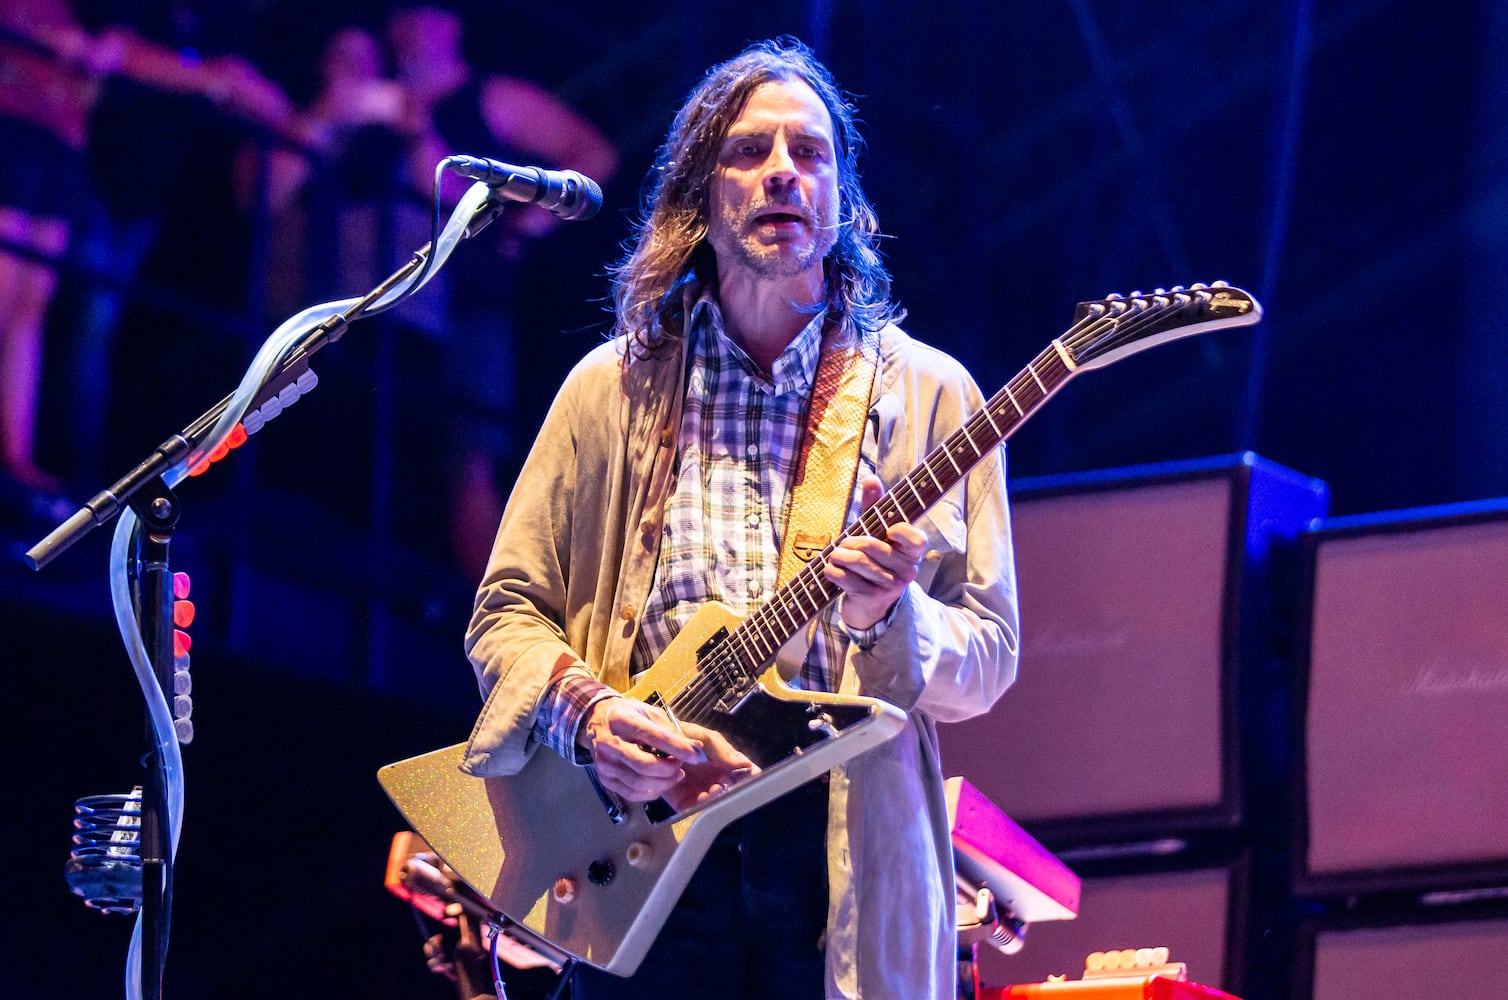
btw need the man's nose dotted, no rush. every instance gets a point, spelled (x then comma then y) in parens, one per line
(780, 175)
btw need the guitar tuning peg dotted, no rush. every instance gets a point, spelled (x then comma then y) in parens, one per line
(1219, 284)
(1159, 291)
(1114, 296)
(1176, 288)
(1134, 295)
(1198, 286)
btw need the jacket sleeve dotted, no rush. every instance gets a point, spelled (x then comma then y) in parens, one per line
(517, 637)
(952, 645)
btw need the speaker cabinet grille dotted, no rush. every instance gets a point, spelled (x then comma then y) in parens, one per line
(1141, 594)
(1406, 719)
(1437, 960)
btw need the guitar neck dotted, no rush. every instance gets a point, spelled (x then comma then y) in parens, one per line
(1103, 331)
(762, 634)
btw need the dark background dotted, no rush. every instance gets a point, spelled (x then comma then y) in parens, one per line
(1345, 162)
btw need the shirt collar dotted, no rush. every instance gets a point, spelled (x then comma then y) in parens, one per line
(793, 371)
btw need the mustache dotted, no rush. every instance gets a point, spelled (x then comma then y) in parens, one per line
(787, 206)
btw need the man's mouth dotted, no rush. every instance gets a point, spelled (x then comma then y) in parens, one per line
(779, 217)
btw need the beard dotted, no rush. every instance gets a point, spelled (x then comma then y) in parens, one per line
(782, 258)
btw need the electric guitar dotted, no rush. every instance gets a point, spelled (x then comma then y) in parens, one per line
(565, 862)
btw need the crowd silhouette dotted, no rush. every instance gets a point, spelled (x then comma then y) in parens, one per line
(340, 184)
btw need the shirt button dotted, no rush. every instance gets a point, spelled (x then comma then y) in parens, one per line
(753, 588)
(753, 450)
(753, 520)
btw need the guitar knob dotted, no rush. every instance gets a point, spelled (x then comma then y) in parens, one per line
(601, 872)
(564, 889)
(639, 854)
(823, 724)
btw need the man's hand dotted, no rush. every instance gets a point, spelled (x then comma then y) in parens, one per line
(873, 572)
(641, 754)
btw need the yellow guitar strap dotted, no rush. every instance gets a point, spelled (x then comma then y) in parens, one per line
(828, 464)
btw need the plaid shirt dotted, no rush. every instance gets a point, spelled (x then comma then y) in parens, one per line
(739, 442)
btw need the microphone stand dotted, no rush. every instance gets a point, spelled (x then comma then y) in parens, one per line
(145, 490)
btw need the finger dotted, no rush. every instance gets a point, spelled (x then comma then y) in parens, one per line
(622, 756)
(873, 567)
(719, 751)
(908, 538)
(632, 785)
(654, 730)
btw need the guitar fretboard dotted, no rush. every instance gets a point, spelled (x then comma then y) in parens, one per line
(761, 635)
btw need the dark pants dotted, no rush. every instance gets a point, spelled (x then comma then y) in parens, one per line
(750, 923)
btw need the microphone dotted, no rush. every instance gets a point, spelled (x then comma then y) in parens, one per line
(565, 193)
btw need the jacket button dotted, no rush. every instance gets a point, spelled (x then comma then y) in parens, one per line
(628, 612)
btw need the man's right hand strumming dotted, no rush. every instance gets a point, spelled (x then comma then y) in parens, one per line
(642, 754)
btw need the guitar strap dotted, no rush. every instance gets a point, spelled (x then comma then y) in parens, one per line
(816, 510)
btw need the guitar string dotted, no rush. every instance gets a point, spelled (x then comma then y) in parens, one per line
(722, 671)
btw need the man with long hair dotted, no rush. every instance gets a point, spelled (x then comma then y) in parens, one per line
(682, 463)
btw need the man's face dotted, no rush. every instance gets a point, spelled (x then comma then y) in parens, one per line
(775, 198)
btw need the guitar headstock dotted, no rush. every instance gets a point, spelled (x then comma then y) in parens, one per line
(1114, 327)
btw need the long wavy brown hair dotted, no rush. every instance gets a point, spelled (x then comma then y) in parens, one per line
(669, 248)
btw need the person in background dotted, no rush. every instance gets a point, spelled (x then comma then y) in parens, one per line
(52, 74)
(455, 109)
(362, 157)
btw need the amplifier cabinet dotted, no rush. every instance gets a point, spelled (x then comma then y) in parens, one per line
(1214, 914)
(1403, 762)
(1147, 704)
(1455, 953)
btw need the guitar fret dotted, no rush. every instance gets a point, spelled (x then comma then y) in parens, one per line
(1011, 396)
(819, 589)
(1033, 372)
(755, 642)
(921, 504)
(993, 426)
(937, 484)
(897, 513)
(1029, 392)
(965, 449)
(783, 613)
(975, 452)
